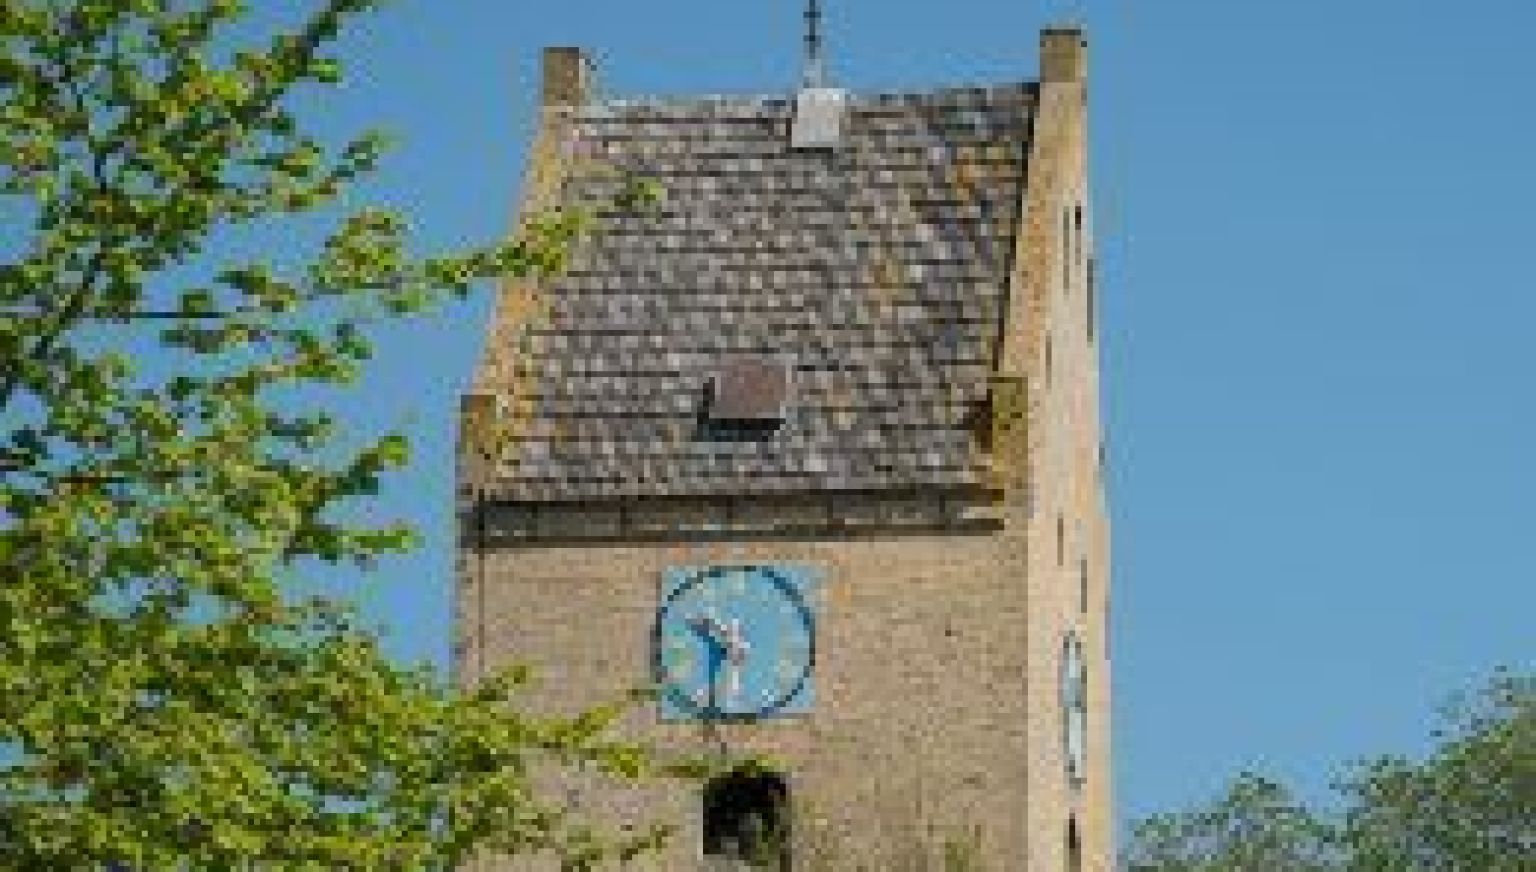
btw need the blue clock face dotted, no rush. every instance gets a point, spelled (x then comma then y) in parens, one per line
(736, 641)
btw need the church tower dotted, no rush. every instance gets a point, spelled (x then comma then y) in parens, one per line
(813, 445)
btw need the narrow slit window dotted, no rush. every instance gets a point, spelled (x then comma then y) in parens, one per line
(1082, 586)
(1074, 847)
(1077, 233)
(1066, 252)
(1089, 304)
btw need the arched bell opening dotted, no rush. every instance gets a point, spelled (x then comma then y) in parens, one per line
(747, 821)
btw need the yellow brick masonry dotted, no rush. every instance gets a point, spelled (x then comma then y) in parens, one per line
(1065, 463)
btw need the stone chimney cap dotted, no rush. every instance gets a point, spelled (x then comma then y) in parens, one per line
(1063, 54)
(568, 76)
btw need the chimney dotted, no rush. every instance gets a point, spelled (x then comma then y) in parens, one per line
(819, 117)
(819, 109)
(1063, 55)
(568, 75)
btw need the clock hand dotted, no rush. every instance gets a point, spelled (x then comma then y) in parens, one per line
(735, 643)
(711, 682)
(728, 649)
(736, 648)
(733, 680)
(736, 653)
(709, 628)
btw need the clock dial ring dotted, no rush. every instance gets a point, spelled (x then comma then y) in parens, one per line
(708, 583)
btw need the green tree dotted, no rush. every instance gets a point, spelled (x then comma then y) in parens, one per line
(1470, 804)
(166, 701)
(1467, 806)
(1255, 826)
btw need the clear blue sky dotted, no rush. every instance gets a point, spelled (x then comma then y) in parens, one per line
(1318, 295)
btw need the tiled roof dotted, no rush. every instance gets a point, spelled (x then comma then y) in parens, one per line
(877, 272)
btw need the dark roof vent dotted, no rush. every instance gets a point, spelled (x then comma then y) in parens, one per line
(751, 389)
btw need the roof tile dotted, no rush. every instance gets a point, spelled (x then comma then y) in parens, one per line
(876, 271)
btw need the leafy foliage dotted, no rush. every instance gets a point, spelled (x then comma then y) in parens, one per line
(162, 700)
(1256, 824)
(1469, 805)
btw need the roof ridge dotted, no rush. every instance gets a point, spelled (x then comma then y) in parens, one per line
(741, 98)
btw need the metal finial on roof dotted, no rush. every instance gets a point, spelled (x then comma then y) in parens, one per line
(815, 66)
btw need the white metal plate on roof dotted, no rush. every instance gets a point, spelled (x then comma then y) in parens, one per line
(818, 118)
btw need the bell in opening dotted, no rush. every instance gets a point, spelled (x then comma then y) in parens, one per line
(746, 822)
